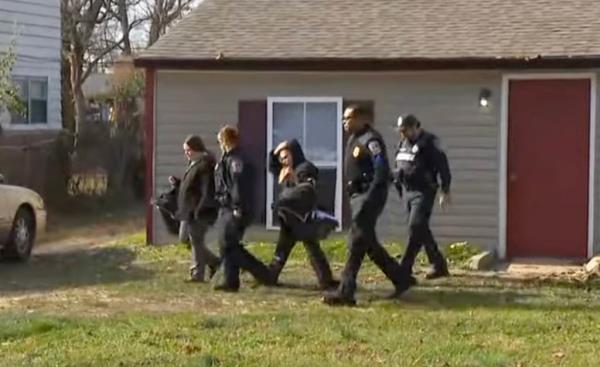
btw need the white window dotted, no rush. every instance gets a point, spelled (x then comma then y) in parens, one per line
(33, 92)
(316, 122)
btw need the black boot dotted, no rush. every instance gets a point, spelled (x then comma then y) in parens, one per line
(226, 288)
(402, 286)
(275, 268)
(438, 272)
(337, 299)
(331, 284)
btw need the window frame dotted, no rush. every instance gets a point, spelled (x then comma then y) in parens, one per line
(339, 162)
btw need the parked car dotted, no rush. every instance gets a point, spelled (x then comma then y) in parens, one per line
(22, 221)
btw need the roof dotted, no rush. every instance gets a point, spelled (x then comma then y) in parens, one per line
(223, 31)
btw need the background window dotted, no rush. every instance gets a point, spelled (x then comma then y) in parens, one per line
(33, 92)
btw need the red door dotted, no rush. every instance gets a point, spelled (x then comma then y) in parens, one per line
(548, 168)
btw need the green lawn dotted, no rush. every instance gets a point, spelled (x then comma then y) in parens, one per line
(126, 305)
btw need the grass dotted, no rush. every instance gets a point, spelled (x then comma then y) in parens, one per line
(126, 305)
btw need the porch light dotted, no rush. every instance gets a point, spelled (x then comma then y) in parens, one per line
(484, 98)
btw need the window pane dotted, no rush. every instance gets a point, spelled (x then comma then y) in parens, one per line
(22, 88)
(287, 122)
(23, 93)
(321, 132)
(38, 111)
(39, 89)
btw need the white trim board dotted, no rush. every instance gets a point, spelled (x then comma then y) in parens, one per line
(503, 192)
(339, 137)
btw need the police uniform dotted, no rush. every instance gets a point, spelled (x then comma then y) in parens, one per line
(368, 172)
(234, 217)
(418, 164)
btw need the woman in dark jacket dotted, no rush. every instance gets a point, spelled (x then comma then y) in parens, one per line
(295, 207)
(196, 204)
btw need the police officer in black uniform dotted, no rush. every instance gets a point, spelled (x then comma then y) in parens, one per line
(368, 172)
(419, 162)
(234, 215)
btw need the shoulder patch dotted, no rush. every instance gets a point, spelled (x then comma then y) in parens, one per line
(236, 166)
(374, 147)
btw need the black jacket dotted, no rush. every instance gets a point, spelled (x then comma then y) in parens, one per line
(419, 163)
(232, 187)
(196, 197)
(300, 196)
(368, 172)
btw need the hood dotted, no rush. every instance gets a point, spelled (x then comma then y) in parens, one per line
(298, 157)
(297, 153)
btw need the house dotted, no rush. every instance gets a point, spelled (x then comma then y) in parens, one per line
(35, 27)
(509, 87)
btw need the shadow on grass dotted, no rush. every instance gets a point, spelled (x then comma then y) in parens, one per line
(72, 269)
(457, 298)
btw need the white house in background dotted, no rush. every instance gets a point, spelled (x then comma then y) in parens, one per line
(36, 27)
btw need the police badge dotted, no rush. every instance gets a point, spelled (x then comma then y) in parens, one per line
(356, 152)
(415, 149)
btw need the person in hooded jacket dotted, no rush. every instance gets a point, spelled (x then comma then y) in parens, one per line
(196, 204)
(295, 205)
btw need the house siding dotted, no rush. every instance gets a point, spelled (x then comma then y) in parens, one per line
(37, 27)
(446, 102)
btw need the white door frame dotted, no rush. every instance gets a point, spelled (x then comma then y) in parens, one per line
(503, 215)
(339, 137)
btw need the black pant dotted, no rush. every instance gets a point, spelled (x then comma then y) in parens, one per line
(234, 255)
(420, 207)
(362, 240)
(317, 258)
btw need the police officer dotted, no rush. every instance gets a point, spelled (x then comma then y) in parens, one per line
(234, 215)
(419, 162)
(368, 172)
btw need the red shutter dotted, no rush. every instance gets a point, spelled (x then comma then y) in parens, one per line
(252, 125)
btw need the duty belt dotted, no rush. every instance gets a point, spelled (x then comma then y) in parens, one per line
(359, 186)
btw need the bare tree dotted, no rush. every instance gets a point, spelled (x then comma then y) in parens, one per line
(93, 30)
(81, 19)
(162, 14)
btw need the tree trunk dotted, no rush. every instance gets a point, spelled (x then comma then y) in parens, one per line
(124, 20)
(76, 60)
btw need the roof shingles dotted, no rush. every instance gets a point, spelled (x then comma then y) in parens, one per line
(383, 29)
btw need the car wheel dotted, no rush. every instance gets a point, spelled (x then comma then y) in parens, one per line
(22, 236)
